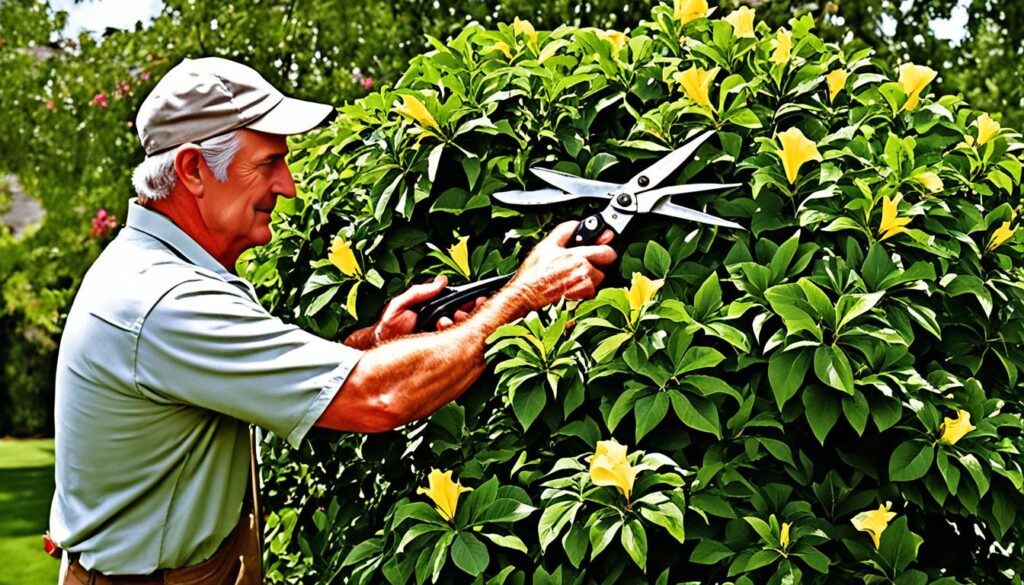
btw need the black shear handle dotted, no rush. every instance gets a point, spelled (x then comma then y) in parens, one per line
(452, 297)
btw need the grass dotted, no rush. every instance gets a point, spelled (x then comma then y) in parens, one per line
(26, 488)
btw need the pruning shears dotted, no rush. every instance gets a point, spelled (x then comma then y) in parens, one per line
(638, 196)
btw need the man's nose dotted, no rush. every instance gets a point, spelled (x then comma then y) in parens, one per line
(284, 183)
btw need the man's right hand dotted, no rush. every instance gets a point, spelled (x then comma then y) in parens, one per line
(553, 271)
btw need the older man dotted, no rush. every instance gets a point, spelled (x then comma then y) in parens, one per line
(167, 355)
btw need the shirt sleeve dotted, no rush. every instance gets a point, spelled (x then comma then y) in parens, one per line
(208, 344)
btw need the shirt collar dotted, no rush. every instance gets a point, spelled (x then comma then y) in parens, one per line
(162, 228)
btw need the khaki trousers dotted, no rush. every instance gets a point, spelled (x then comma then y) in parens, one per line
(237, 561)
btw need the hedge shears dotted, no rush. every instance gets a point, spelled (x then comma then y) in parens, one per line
(638, 196)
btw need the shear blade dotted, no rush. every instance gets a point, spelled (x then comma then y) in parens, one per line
(649, 199)
(577, 186)
(670, 209)
(653, 175)
(538, 197)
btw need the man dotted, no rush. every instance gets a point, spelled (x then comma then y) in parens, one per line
(167, 355)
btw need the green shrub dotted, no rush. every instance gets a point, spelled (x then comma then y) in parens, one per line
(776, 389)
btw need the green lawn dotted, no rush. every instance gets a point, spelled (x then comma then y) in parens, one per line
(26, 486)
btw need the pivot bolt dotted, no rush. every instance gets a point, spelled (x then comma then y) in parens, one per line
(624, 200)
(643, 181)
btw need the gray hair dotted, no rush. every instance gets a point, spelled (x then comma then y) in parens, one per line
(154, 178)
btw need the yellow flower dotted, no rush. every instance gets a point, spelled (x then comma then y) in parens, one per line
(874, 522)
(891, 225)
(343, 258)
(444, 492)
(696, 83)
(931, 181)
(913, 79)
(523, 27)
(796, 150)
(987, 128)
(609, 467)
(616, 38)
(503, 47)
(690, 10)
(783, 44)
(953, 429)
(642, 290)
(414, 108)
(742, 22)
(784, 536)
(460, 254)
(836, 82)
(1003, 233)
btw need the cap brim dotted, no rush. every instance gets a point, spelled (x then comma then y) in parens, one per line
(292, 116)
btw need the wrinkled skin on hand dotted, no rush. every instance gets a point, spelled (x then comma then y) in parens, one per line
(553, 271)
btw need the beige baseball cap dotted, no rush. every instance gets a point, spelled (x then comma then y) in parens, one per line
(201, 98)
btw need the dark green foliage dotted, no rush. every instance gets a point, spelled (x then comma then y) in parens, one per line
(781, 381)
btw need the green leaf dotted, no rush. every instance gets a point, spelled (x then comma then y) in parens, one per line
(553, 520)
(821, 408)
(634, 540)
(657, 259)
(977, 473)
(852, 306)
(949, 472)
(469, 554)
(610, 346)
(575, 544)
(527, 403)
(787, 301)
(833, 368)
(624, 404)
(506, 540)
(911, 460)
(856, 409)
(786, 372)
(707, 299)
(898, 545)
(710, 552)
(696, 412)
(649, 411)
(602, 532)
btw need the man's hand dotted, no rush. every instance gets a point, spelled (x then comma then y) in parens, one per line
(552, 271)
(399, 319)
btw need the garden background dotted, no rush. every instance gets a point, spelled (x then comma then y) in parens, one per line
(68, 105)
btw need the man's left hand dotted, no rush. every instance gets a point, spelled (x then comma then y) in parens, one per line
(399, 319)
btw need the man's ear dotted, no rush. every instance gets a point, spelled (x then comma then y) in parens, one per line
(186, 165)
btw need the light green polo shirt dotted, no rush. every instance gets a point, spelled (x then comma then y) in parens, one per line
(165, 358)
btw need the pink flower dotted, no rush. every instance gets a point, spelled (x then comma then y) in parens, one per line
(50, 105)
(100, 100)
(367, 83)
(103, 223)
(144, 76)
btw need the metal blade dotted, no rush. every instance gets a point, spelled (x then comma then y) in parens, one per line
(653, 175)
(538, 197)
(577, 185)
(670, 209)
(649, 199)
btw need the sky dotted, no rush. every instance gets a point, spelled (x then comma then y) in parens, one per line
(96, 15)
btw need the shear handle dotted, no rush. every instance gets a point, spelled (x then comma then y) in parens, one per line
(452, 297)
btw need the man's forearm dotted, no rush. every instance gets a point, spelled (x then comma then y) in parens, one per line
(412, 376)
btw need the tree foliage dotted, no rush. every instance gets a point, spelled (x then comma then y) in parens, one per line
(829, 396)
